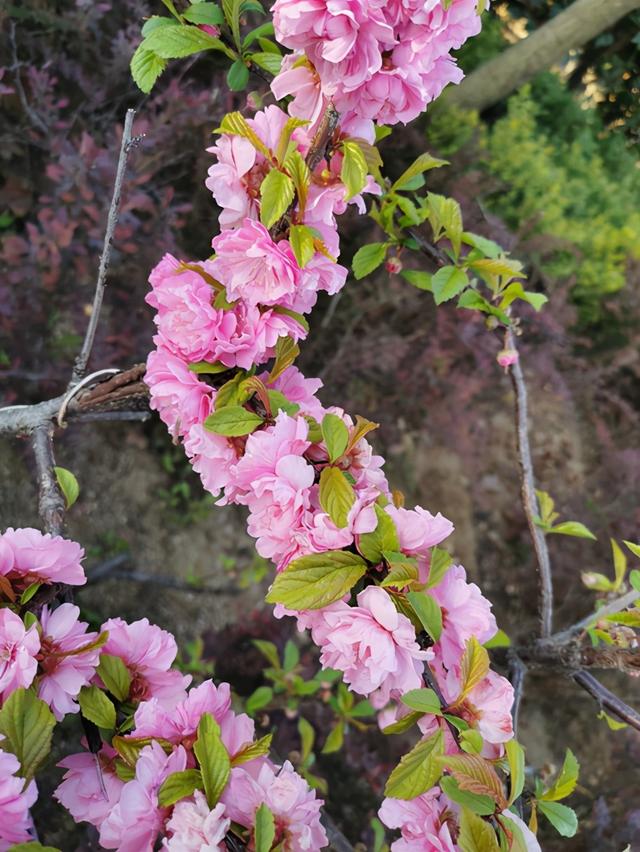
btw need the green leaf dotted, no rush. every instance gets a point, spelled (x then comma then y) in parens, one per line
(146, 66)
(403, 571)
(428, 611)
(634, 548)
(68, 485)
(597, 582)
(566, 781)
(267, 60)
(515, 756)
(500, 640)
(26, 724)
(213, 758)
(206, 367)
(96, 707)
(29, 592)
(613, 724)
(440, 563)
(476, 835)
(418, 278)
(317, 580)
(291, 656)
(179, 785)
(447, 283)
(353, 172)
(264, 830)
(279, 402)
(238, 76)
(562, 818)
(307, 738)
(471, 741)
(32, 846)
(302, 243)
(487, 247)
(336, 495)
(335, 434)
(445, 219)
(115, 676)
(383, 538)
(573, 528)
(258, 33)
(403, 724)
(417, 771)
(368, 258)
(258, 699)
(231, 10)
(269, 651)
(252, 750)
(235, 124)
(335, 739)
(423, 700)
(634, 579)
(483, 805)
(423, 163)
(233, 421)
(178, 42)
(287, 312)
(277, 191)
(619, 564)
(474, 666)
(204, 13)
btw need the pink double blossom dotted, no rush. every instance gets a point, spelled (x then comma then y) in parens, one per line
(294, 805)
(419, 530)
(15, 801)
(425, 822)
(65, 668)
(29, 556)
(148, 652)
(90, 788)
(193, 827)
(177, 394)
(18, 649)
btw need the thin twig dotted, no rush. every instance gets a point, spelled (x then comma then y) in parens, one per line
(112, 220)
(607, 700)
(517, 674)
(50, 500)
(616, 605)
(430, 680)
(529, 499)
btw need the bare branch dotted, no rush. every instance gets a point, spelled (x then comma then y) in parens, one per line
(112, 220)
(50, 500)
(517, 674)
(529, 499)
(616, 605)
(608, 700)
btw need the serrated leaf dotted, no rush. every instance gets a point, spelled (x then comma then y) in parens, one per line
(353, 172)
(269, 651)
(475, 775)
(383, 538)
(562, 818)
(335, 435)
(634, 579)
(474, 666)
(115, 676)
(276, 191)
(335, 739)
(423, 700)
(317, 580)
(300, 175)
(213, 758)
(613, 724)
(264, 831)
(179, 785)
(178, 42)
(422, 164)
(566, 781)
(476, 835)
(483, 805)
(235, 124)
(418, 278)
(269, 61)
(515, 290)
(206, 367)
(146, 66)
(515, 756)
(336, 495)
(251, 751)
(27, 724)
(417, 771)
(68, 485)
(258, 34)
(403, 571)
(447, 283)
(287, 350)
(471, 741)
(96, 707)
(445, 219)
(302, 242)
(258, 699)
(403, 724)
(573, 528)
(204, 13)
(238, 76)
(233, 421)
(440, 563)
(487, 247)
(428, 611)
(279, 402)
(368, 258)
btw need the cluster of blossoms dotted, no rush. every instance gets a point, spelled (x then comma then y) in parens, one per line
(315, 491)
(116, 784)
(383, 60)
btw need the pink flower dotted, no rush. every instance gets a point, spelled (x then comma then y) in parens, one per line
(418, 530)
(254, 268)
(487, 707)
(15, 801)
(465, 613)
(300, 390)
(134, 823)
(177, 394)
(64, 670)
(195, 828)
(40, 557)
(372, 644)
(90, 788)
(18, 649)
(530, 840)
(507, 357)
(179, 723)
(288, 797)
(148, 653)
(299, 78)
(424, 822)
(212, 456)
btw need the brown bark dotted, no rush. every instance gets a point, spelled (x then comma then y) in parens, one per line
(571, 29)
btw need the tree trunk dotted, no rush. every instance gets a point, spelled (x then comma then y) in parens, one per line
(577, 25)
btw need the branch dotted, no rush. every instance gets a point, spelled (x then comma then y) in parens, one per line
(112, 220)
(607, 700)
(616, 605)
(529, 499)
(570, 655)
(50, 500)
(517, 674)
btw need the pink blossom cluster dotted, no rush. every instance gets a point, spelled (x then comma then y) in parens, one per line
(15, 801)
(375, 60)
